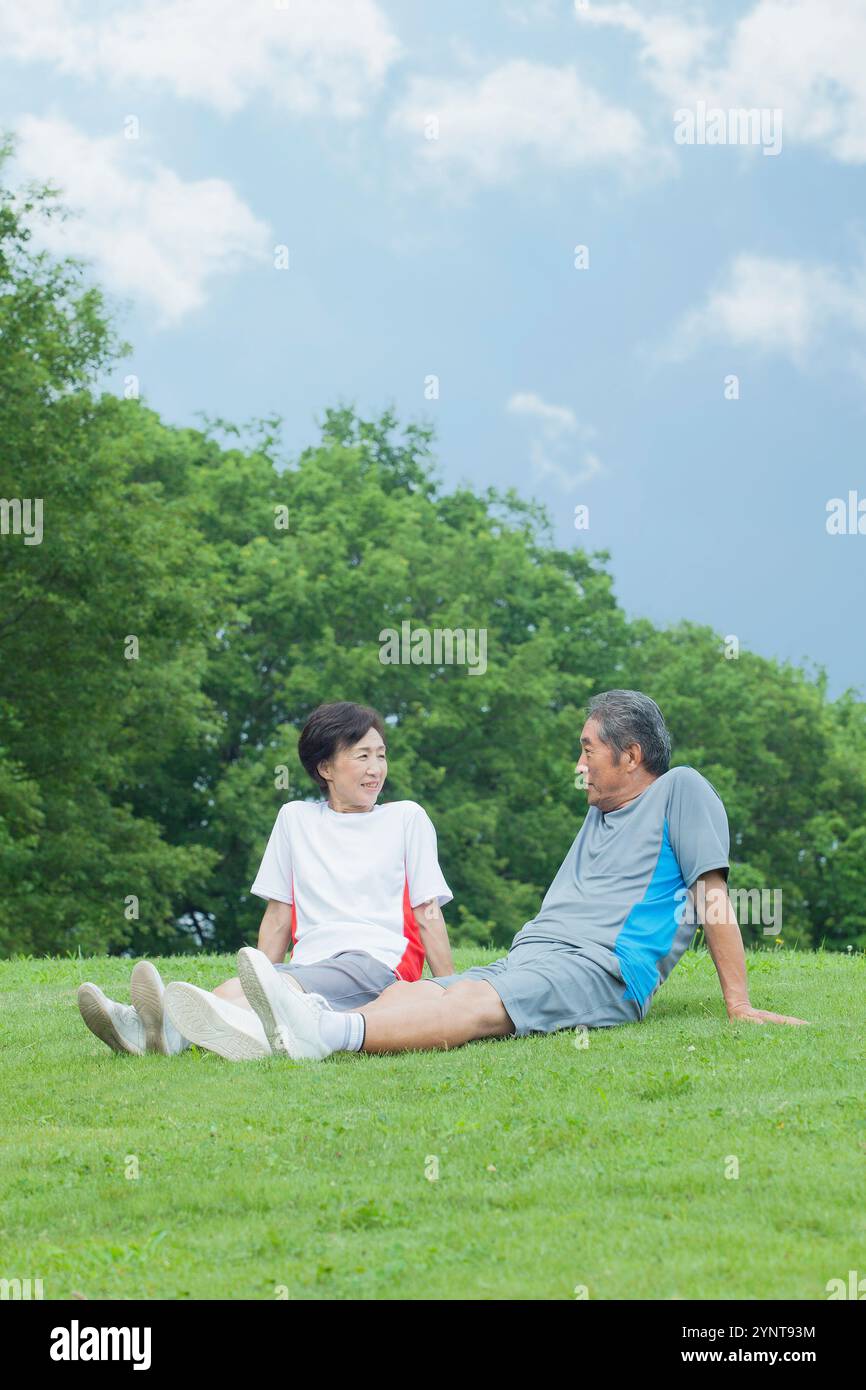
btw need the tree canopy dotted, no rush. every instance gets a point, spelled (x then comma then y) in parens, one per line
(195, 595)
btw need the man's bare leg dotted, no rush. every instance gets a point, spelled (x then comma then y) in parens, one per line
(425, 1015)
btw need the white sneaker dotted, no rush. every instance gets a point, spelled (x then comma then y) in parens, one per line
(117, 1025)
(288, 979)
(215, 1024)
(147, 992)
(290, 1017)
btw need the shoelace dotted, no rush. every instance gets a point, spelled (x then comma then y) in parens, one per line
(127, 1013)
(126, 1016)
(319, 1003)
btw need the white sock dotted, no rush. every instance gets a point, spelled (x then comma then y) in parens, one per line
(342, 1032)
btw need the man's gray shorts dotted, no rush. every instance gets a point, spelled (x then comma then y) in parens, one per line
(545, 986)
(347, 980)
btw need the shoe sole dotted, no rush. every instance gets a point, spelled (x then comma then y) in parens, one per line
(257, 995)
(100, 1022)
(147, 991)
(196, 1018)
(281, 1036)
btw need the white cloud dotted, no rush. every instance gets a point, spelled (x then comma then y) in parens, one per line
(148, 233)
(785, 307)
(557, 417)
(669, 45)
(310, 56)
(806, 59)
(557, 449)
(517, 115)
(546, 465)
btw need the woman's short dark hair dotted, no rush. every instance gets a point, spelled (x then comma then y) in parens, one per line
(332, 727)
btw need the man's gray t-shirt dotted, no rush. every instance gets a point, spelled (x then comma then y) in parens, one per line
(620, 894)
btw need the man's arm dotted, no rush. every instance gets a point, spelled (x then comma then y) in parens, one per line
(725, 944)
(275, 932)
(434, 937)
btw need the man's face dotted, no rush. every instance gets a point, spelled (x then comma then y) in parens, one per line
(607, 783)
(356, 775)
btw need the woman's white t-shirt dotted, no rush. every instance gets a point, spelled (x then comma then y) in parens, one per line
(353, 879)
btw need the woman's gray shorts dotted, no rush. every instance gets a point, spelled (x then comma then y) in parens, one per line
(546, 986)
(347, 980)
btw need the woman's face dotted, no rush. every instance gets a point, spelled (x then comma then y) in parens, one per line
(356, 775)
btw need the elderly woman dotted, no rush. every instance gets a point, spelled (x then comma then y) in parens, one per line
(354, 887)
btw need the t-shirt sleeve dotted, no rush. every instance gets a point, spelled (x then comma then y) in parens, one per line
(424, 875)
(698, 826)
(274, 878)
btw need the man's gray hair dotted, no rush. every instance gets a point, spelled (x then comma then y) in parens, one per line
(627, 716)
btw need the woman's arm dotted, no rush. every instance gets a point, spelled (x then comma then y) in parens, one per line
(275, 932)
(434, 937)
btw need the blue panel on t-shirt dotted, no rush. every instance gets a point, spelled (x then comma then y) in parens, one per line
(648, 932)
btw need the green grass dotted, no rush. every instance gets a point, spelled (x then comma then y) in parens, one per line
(559, 1166)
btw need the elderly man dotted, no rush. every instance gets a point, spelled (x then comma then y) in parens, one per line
(610, 930)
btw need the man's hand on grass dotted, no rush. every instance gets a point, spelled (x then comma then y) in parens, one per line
(725, 945)
(745, 1011)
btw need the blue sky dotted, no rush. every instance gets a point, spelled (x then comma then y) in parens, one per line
(308, 125)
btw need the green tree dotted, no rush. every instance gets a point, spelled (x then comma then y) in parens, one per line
(255, 587)
(81, 726)
(788, 763)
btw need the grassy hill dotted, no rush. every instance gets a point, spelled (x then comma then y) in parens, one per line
(559, 1166)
